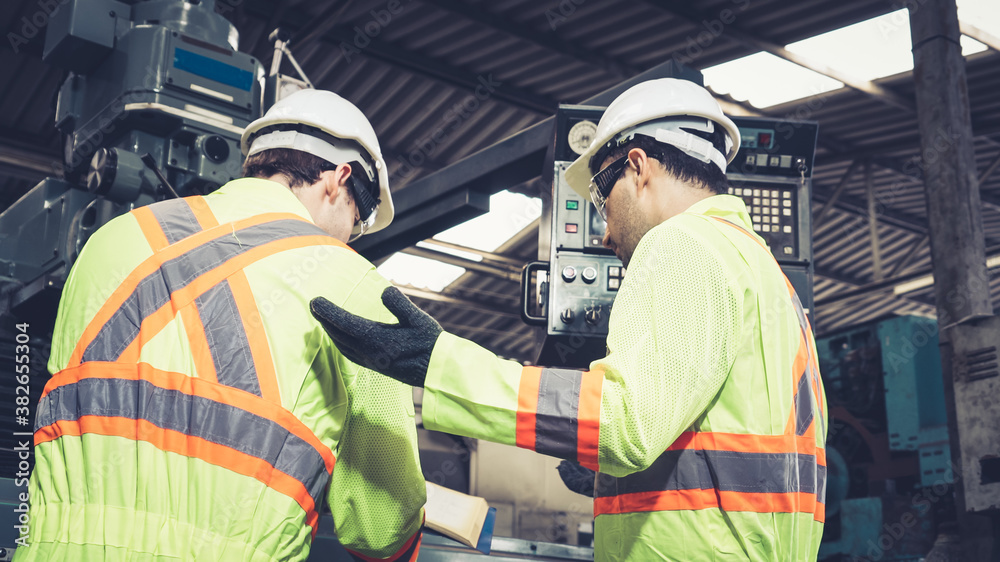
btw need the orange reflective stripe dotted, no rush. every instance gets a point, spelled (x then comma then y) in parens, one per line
(195, 387)
(153, 263)
(150, 229)
(589, 419)
(202, 212)
(253, 326)
(527, 406)
(189, 446)
(682, 500)
(200, 352)
(748, 443)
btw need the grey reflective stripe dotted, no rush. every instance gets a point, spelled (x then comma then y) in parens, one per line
(556, 416)
(154, 291)
(191, 415)
(812, 383)
(803, 404)
(727, 471)
(227, 339)
(176, 219)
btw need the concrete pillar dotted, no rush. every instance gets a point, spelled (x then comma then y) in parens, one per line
(956, 228)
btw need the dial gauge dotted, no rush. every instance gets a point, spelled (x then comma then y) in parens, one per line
(581, 135)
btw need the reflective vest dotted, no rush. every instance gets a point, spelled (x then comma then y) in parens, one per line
(223, 426)
(707, 419)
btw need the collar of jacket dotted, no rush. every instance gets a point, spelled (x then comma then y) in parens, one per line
(726, 207)
(257, 195)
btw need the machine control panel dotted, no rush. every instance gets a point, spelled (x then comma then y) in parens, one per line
(581, 302)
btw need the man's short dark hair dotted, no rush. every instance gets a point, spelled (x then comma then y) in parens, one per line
(301, 168)
(685, 168)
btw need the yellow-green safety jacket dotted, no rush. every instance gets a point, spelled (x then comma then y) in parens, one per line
(706, 420)
(198, 411)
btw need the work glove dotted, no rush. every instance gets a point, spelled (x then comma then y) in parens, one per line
(577, 478)
(401, 351)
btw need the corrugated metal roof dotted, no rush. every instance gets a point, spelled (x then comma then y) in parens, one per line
(422, 65)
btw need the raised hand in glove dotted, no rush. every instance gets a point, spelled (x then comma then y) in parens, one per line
(401, 351)
(577, 478)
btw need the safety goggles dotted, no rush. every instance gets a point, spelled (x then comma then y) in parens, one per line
(603, 181)
(365, 201)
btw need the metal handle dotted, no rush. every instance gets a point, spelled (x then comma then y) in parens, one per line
(526, 293)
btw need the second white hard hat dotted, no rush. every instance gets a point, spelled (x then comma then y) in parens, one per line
(663, 109)
(328, 126)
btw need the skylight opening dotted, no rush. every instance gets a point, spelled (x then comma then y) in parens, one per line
(509, 214)
(763, 80)
(865, 51)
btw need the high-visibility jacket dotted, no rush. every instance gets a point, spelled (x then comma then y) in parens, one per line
(198, 411)
(706, 420)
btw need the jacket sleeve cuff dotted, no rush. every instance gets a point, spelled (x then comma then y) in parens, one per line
(407, 553)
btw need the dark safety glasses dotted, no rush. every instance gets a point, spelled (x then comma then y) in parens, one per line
(603, 181)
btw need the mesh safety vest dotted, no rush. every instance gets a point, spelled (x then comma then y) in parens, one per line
(706, 421)
(174, 376)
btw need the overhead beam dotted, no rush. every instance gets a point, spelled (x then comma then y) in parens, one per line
(837, 192)
(507, 273)
(549, 41)
(342, 36)
(693, 15)
(458, 302)
(889, 283)
(981, 35)
(873, 224)
(858, 284)
(910, 254)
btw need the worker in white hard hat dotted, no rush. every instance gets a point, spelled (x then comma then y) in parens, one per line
(197, 410)
(706, 421)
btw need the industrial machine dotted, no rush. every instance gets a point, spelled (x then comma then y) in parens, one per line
(576, 285)
(153, 107)
(890, 474)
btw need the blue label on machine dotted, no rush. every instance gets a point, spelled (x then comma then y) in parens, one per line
(212, 69)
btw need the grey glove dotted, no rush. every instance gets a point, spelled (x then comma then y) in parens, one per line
(401, 351)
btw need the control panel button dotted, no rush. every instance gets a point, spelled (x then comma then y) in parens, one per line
(614, 283)
(572, 204)
(589, 274)
(572, 228)
(592, 315)
(569, 273)
(567, 316)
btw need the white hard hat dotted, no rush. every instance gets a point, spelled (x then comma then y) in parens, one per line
(661, 109)
(329, 127)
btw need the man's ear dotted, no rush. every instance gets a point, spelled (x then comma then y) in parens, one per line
(639, 161)
(336, 180)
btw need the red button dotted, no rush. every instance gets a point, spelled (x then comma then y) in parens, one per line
(571, 228)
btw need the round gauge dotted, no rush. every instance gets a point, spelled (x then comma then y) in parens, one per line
(580, 136)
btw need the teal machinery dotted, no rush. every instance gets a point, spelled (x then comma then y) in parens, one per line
(571, 292)
(890, 476)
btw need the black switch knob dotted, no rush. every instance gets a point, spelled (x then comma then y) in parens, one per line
(567, 316)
